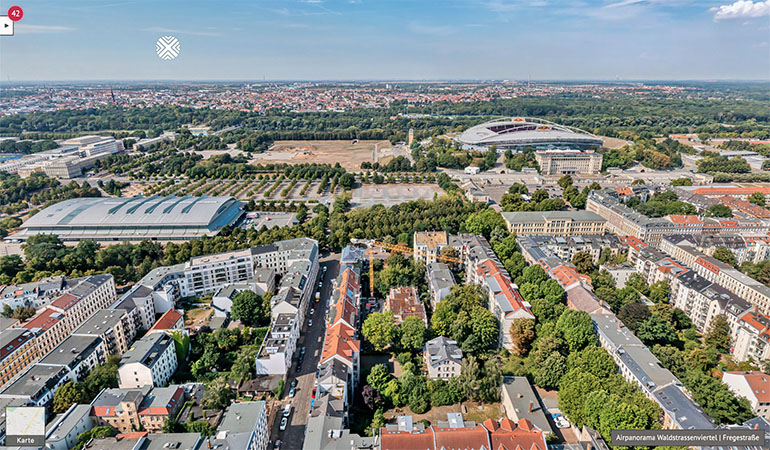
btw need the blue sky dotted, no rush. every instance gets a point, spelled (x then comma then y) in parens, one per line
(389, 39)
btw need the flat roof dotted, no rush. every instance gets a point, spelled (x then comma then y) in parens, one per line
(100, 322)
(147, 349)
(543, 216)
(71, 350)
(241, 417)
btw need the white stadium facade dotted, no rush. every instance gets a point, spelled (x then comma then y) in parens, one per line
(139, 218)
(518, 133)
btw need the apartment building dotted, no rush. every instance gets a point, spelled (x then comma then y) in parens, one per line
(639, 366)
(277, 350)
(566, 247)
(114, 326)
(79, 354)
(131, 409)
(17, 351)
(57, 321)
(703, 300)
(623, 220)
(64, 431)
(171, 321)
(440, 281)
(571, 162)
(754, 386)
(263, 281)
(428, 244)
(244, 426)
(443, 358)
(520, 401)
(405, 302)
(554, 223)
(37, 384)
(151, 361)
(37, 294)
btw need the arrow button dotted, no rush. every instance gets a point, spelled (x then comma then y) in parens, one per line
(7, 28)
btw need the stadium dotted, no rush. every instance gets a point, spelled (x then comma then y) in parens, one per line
(520, 132)
(133, 219)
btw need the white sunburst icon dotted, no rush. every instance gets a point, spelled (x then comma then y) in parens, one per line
(167, 47)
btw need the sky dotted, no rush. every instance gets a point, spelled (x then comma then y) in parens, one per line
(389, 40)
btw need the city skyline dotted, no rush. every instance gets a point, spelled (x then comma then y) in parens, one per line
(364, 40)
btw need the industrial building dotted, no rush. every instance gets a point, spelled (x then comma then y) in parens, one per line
(133, 219)
(519, 132)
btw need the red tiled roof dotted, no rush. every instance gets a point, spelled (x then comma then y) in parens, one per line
(65, 302)
(508, 435)
(489, 268)
(45, 320)
(463, 438)
(134, 435)
(164, 411)
(684, 220)
(167, 320)
(339, 340)
(759, 383)
(15, 344)
(404, 302)
(406, 440)
(722, 190)
(633, 241)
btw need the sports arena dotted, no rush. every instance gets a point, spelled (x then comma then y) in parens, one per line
(520, 132)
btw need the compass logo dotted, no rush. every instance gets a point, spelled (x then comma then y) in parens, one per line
(167, 47)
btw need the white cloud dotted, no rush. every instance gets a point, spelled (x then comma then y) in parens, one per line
(29, 29)
(742, 9)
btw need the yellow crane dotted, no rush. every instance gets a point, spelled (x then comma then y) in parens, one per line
(401, 248)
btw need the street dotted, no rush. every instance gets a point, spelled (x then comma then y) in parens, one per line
(312, 338)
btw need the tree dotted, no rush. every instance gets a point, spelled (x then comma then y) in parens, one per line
(484, 329)
(583, 262)
(758, 199)
(719, 210)
(413, 333)
(201, 427)
(549, 373)
(484, 222)
(522, 334)
(577, 329)
(68, 394)
(659, 291)
(218, 393)
(102, 377)
(718, 334)
(372, 398)
(634, 314)
(565, 181)
(380, 329)
(378, 377)
(725, 255)
(655, 330)
(248, 307)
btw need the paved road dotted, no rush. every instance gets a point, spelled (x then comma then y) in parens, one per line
(312, 338)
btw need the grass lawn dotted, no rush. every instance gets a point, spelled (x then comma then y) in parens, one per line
(439, 413)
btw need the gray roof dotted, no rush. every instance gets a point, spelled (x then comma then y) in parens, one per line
(542, 216)
(442, 349)
(521, 395)
(67, 422)
(523, 131)
(176, 441)
(100, 322)
(685, 412)
(148, 349)
(34, 381)
(72, 351)
(161, 397)
(113, 397)
(241, 417)
(439, 276)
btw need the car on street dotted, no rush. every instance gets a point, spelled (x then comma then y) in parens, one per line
(284, 422)
(299, 368)
(310, 323)
(287, 411)
(292, 393)
(277, 445)
(302, 350)
(312, 311)
(294, 383)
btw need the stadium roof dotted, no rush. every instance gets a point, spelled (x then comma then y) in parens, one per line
(134, 218)
(523, 132)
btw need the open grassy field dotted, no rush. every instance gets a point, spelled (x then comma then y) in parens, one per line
(350, 155)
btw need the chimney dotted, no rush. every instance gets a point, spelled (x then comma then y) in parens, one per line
(531, 405)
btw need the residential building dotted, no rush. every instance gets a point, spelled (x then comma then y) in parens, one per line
(428, 244)
(277, 349)
(703, 300)
(79, 354)
(133, 409)
(443, 358)
(405, 302)
(36, 385)
(520, 401)
(624, 221)
(554, 223)
(262, 282)
(114, 326)
(561, 162)
(515, 434)
(171, 321)
(37, 294)
(340, 344)
(63, 433)
(754, 386)
(17, 352)
(440, 281)
(151, 361)
(244, 426)
(752, 337)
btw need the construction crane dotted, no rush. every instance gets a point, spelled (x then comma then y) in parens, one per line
(401, 248)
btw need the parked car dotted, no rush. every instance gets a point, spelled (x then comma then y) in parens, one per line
(277, 445)
(284, 422)
(287, 411)
(310, 323)
(292, 393)
(294, 383)
(312, 311)
(302, 350)
(299, 368)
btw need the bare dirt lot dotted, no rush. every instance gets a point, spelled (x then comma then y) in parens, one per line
(611, 142)
(393, 194)
(350, 155)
